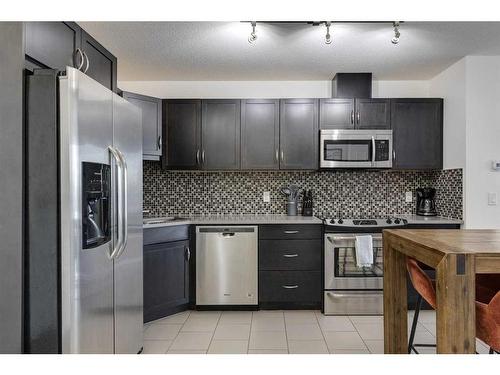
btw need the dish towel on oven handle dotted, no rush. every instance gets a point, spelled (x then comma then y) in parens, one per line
(364, 251)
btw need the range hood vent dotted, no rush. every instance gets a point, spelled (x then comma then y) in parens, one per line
(352, 85)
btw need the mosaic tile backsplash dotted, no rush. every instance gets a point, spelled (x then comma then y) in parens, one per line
(336, 193)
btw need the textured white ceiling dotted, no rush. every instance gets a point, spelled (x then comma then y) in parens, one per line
(177, 51)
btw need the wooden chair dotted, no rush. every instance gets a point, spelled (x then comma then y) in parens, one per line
(487, 305)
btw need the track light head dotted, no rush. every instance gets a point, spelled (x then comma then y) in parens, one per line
(397, 34)
(253, 35)
(328, 37)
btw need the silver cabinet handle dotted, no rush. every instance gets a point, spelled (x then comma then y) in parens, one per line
(198, 157)
(276, 156)
(358, 116)
(188, 253)
(119, 238)
(203, 157)
(159, 142)
(352, 117)
(78, 51)
(282, 156)
(373, 150)
(291, 231)
(290, 255)
(88, 62)
(393, 154)
(290, 286)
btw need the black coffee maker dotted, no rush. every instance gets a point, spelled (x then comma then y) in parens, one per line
(426, 206)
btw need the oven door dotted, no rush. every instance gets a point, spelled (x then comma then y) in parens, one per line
(341, 271)
(346, 149)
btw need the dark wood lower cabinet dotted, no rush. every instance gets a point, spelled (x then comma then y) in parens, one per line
(166, 279)
(290, 289)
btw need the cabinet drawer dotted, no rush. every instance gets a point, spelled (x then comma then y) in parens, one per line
(290, 286)
(290, 231)
(282, 255)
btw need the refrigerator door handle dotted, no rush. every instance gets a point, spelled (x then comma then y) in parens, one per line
(119, 239)
(124, 202)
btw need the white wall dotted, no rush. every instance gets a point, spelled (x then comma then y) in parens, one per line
(482, 139)
(450, 85)
(265, 89)
(471, 92)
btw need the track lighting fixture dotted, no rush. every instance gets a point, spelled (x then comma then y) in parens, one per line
(397, 34)
(253, 35)
(328, 37)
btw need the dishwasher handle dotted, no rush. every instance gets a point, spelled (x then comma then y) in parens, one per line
(227, 234)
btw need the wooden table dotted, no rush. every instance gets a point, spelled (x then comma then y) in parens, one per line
(457, 255)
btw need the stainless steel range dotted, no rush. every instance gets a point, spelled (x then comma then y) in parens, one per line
(350, 288)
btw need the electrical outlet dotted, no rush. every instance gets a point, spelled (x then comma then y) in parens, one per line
(492, 199)
(267, 197)
(409, 197)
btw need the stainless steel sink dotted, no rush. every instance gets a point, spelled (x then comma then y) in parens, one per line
(163, 220)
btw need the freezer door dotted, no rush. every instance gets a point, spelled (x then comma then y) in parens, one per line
(128, 262)
(86, 131)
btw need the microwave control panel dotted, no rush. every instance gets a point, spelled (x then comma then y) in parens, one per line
(381, 150)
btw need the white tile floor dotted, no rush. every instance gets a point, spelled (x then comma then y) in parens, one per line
(276, 332)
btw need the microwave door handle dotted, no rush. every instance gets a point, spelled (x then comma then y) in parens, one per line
(117, 244)
(373, 150)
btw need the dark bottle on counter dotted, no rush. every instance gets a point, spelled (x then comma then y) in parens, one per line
(307, 203)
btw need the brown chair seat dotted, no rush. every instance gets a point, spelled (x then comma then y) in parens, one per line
(487, 302)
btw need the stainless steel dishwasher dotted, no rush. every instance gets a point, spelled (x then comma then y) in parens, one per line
(226, 265)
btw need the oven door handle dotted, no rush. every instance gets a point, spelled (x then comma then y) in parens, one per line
(332, 239)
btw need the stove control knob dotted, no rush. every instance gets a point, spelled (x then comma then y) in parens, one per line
(388, 221)
(332, 221)
(397, 221)
(340, 221)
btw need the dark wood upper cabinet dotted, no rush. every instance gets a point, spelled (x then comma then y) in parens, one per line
(260, 134)
(56, 45)
(53, 44)
(220, 131)
(299, 134)
(100, 63)
(418, 133)
(373, 114)
(152, 137)
(336, 114)
(183, 133)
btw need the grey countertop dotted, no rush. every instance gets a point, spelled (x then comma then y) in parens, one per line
(280, 219)
(415, 219)
(238, 220)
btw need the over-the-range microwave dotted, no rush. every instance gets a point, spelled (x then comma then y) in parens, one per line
(355, 148)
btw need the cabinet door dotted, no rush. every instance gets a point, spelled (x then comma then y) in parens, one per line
(259, 134)
(101, 63)
(417, 133)
(299, 134)
(373, 114)
(336, 114)
(183, 129)
(53, 44)
(151, 123)
(166, 278)
(220, 134)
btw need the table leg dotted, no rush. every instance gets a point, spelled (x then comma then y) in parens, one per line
(395, 301)
(455, 313)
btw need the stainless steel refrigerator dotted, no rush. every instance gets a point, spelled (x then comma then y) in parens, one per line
(83, 217)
